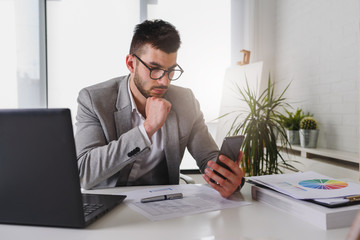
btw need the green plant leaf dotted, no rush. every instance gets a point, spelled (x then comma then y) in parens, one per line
(261, 123)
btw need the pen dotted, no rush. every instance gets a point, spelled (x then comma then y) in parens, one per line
(162, 197)
(353, 198)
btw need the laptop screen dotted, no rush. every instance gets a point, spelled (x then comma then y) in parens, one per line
(39, 180)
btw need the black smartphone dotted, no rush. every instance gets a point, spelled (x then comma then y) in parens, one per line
(230, 147)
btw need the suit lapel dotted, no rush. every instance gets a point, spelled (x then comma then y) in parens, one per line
(123, 116)
(172, 147)
(122, 121)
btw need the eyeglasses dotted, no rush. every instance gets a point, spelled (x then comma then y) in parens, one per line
(157, 73)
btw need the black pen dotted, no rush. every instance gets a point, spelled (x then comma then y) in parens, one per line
(162, 197)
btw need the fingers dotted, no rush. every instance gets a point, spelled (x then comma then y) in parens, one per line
(225, 191)
(156, 110)
(239, 159)
(233, 178)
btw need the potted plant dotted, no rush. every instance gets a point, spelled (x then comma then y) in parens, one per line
(291, 122)
(309, 132)
(261, 152)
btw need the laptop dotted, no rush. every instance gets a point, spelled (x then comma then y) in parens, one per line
(39, 178)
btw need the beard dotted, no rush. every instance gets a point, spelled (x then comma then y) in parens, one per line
(140, 84)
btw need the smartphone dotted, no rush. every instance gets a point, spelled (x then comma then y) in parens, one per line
(230, 147)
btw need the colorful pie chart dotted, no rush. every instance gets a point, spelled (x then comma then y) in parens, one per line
(325, 184)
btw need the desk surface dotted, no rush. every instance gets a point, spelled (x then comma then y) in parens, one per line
(256, 221)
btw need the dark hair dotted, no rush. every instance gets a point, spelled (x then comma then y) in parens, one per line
(160, 34)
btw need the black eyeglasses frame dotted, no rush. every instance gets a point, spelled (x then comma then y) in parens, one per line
(164, 71)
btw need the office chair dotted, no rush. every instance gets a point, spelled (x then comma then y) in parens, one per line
(186, 179)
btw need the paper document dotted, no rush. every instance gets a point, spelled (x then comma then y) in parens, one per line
(307, 185)
(197, 198)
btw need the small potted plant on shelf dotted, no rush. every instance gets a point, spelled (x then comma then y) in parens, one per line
(309, 132)
(291, 122)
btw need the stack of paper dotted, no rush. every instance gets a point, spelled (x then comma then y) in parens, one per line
(307, 185)
(198, 198)
(292, 189)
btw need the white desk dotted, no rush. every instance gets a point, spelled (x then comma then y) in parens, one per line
(252, 222)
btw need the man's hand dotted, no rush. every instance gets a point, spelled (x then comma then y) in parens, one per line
(227, 186)
(156, 110)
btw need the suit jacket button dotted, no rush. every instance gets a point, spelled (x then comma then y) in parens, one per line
(133, 152)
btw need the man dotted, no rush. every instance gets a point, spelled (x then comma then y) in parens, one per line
(133, 130)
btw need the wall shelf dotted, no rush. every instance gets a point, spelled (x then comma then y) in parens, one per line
(314, 153)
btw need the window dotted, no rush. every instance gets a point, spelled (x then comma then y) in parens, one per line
(22, 47)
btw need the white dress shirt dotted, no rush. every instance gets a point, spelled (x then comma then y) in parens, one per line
(147, 162)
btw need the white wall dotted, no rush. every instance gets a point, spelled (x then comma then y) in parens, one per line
(205, 49)
(87, 43)
(317, 49)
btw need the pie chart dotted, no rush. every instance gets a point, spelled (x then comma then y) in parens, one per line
(324, 184)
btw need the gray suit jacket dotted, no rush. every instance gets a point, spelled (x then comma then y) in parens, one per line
(107, 146)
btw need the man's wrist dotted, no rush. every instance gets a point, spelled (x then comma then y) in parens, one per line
(144, 133)
(148, 130)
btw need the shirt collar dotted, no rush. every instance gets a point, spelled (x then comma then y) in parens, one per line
(132, 101)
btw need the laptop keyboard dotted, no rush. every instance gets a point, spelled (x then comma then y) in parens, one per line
(90, 208)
